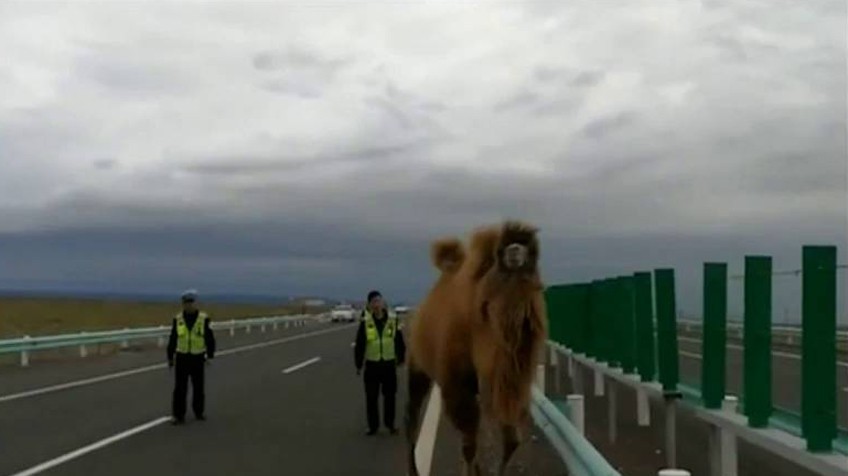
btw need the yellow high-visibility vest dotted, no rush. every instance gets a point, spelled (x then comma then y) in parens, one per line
(191, 341)
(379, 347)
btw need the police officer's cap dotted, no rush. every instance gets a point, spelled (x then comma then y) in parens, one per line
(189, 295)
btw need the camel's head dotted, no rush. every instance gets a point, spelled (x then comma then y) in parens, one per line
(518, 248)
(510, 287)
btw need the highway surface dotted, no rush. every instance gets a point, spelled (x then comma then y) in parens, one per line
(286, 402)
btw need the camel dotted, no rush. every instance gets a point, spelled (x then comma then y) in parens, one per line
(478, 335)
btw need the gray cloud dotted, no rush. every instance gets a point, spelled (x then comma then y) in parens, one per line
(296, 58)
(300, 160)
(599, 128)
(587, 78)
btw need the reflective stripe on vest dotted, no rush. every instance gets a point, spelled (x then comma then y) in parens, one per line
(191, 341)
(379, 346)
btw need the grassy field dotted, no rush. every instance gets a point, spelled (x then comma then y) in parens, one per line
(42, 316)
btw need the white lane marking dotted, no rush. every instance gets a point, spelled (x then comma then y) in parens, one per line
(149, 368)
(301, 365)
(79, 383)
(426, 443)
(94, 446)
(785, 355)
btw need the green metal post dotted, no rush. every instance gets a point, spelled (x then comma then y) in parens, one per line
(613, 336)
(818, 351)
(556, 313)
(602, 328)
(644, 307)
(757, 342)
(714, 334)
(594, 323)
(667, 329)
(581, 298)
(567, 329)
(628, 326)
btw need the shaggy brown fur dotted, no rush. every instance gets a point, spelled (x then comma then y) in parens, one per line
(477, 334)
(447, 254)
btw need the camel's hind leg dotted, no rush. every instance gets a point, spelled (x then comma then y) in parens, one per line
(464, 412)
(510, 444)
(418, 386)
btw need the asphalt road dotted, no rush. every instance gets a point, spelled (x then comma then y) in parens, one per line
(282, 402)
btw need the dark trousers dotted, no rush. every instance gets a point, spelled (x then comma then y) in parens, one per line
(188, 366)
(380, 376)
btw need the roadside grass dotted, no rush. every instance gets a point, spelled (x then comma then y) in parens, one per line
(45, 316)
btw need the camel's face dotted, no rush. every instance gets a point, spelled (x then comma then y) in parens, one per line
(515, 256)
(518, 248)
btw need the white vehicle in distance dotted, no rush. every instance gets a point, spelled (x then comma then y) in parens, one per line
(401, 310)
(343, 313)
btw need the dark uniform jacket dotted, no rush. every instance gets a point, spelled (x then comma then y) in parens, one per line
(361, 342)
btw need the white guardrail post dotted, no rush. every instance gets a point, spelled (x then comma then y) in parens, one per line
(722, 443)
(599, 383)
(540, 377)
(25, 354)
(577, 412)
(82, 349)
(643, 408)
(671, 399)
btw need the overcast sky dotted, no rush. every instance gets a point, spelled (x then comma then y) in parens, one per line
(318, 147)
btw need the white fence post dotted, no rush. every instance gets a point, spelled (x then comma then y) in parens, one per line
(262, 327)
(232, 327)
(25, 355)
(275, 325)
(723, 457)
(125, 343)
(247, 331)
(577, 410)
(540, 377)
(599, 383)
(577, 380)
(671, 428)
(643, 409)
(556, 370)
(83, 350)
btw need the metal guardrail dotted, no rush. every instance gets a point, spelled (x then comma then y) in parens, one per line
(27, 344)
(563, 423)
(579, 456)
(726, 423)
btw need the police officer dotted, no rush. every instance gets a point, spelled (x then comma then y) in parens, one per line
(379, 343)
(191, 342)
